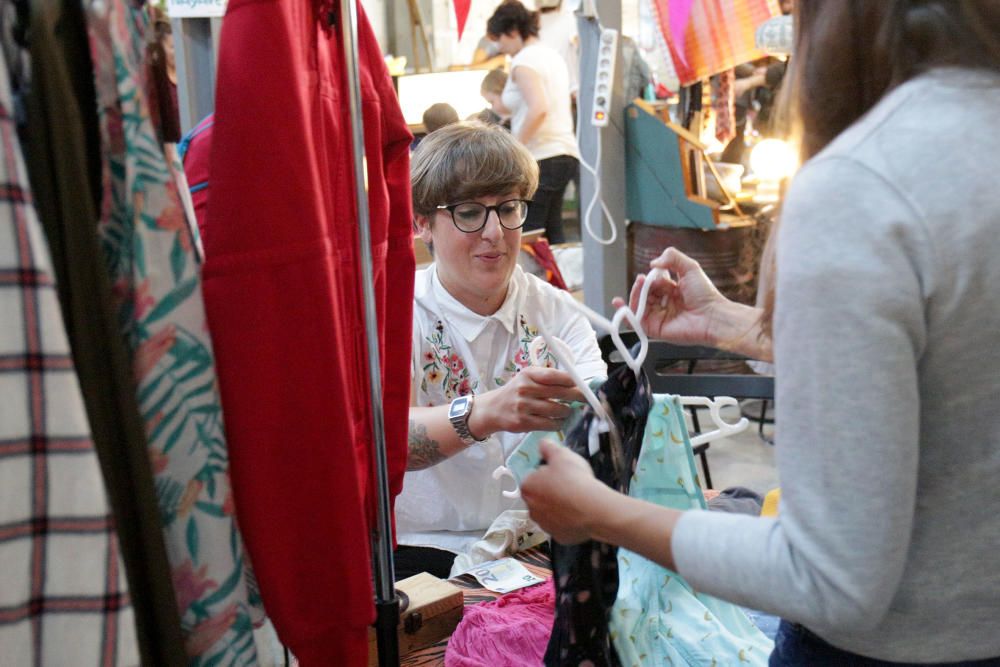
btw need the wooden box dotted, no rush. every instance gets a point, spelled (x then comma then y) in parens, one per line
(434, 610)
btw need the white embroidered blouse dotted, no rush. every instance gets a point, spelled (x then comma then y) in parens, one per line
(457, 352)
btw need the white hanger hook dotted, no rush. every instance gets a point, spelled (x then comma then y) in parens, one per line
(723, 428)
(504, 471)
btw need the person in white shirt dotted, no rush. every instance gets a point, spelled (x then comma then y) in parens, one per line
(537, 99)
(475, 394)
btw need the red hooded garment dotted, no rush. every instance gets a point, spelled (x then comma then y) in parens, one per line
(282, 286)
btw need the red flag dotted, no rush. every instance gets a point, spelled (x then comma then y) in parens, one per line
(461, 14)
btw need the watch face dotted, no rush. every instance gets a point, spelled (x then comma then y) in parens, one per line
(459, 406)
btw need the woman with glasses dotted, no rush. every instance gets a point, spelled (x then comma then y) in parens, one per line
(475, 394)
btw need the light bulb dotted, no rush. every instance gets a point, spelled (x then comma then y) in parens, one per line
(772, 159)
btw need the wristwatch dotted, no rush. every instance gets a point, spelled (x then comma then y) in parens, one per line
(458, 415)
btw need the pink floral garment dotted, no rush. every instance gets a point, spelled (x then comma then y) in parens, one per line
(149, 241)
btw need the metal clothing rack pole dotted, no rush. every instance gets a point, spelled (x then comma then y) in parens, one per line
(386, 601)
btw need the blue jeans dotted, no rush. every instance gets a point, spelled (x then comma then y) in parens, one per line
(796, 646)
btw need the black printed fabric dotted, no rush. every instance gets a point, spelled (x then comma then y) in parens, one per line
(586, 575)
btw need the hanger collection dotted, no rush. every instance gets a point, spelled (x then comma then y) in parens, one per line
(560, 350)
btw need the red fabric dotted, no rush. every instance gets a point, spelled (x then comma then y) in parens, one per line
(462, 14)
(196, 154)
(541, 251)
(282, 286)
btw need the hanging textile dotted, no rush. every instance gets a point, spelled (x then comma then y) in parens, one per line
(149, 240)
(283, 293)
(63, 596)
(706, 37)
(63, 160)
(724, 105)
(586, 574)
(657, 618)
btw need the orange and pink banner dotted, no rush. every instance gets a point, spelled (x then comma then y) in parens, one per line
(706, 37)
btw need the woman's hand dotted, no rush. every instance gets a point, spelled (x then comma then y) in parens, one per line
(572, 506)
(684, 310)
(529, 402)
(563, 495)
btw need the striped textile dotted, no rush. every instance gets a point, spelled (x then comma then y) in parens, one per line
(63, 596)
(706, 37)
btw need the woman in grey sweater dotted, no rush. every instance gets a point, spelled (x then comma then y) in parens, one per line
(886, 338)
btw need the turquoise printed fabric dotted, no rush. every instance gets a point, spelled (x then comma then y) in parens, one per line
(657, 618)
(150, 242)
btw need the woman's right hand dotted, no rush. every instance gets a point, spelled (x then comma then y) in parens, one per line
(685, 310)
(529, 402)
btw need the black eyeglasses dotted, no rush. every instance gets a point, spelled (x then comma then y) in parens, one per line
(471, 216)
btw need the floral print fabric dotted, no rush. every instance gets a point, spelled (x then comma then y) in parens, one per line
(150, 243)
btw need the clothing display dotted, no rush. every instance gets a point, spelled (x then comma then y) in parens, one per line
(63, 160)
(64, 599)
(657, 618)
(586, 574)
(149, 239)
(511, 631)
(457, 352)
(891, 264)
(283, 293)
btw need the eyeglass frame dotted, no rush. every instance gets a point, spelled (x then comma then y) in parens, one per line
(495, 209)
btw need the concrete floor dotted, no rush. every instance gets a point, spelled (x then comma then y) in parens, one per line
(744, 459)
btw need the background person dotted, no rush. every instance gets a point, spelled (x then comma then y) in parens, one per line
(886, 337)
(475, 313)
(537, 98)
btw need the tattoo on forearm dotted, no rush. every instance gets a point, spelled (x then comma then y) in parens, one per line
(423, 450)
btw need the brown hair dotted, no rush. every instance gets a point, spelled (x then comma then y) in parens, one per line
(466, 160)
(849, 54)
(512, 16)
(438, 115)
(494, 81)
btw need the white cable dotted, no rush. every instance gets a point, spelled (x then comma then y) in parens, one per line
(595, 171)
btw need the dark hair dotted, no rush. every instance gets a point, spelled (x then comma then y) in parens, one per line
(850, 53)
(511, 15)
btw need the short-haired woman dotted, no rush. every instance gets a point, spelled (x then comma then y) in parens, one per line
(537, 99)
(886, 337)
(475, 396)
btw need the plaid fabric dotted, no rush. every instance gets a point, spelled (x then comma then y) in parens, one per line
(63, 598)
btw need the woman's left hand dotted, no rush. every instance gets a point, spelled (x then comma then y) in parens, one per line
(563, 495)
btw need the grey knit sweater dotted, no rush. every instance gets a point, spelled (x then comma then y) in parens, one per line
(887, 346)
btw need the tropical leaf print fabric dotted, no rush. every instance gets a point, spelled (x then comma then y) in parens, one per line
(149, 240)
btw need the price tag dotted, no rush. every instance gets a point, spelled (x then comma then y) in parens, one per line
(504, 575)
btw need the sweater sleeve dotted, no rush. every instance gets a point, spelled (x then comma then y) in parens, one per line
(849, 334)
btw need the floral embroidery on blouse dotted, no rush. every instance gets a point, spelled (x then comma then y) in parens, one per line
(442, 366)
(522, 356)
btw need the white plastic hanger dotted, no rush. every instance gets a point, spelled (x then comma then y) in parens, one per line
(561, 351)
(723, 428)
